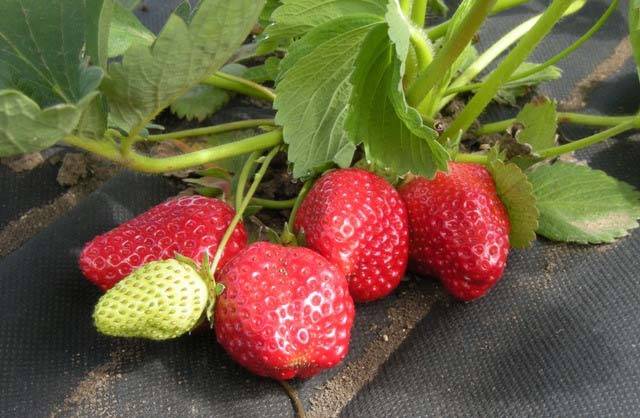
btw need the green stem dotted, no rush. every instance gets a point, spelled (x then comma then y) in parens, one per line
(507, 67)
(590, 140)
(461, 84)
(485, 59)
(299, 199)
(212, 130)
(245, 202)
(577, 44)
(240, 85)
(180, 162)
(440, 30)
(419, 12)
(405, 6)
(626, 125)
(475, 158)
(103, 148)
(243, 177)
(503, 5)
(563, 117)
(450, 51)
(273, 204)
(423, 51)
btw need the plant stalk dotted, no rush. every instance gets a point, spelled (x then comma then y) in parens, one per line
(507, 67)
(429, 77)
(424, 55)
(146, 164)
(487, 58)
(273, 204)
(590, 140)
(240, 85)
(440, 30)
(462, 83)
(563, 117)
(419, 12)
(245, 202)
(212, 130)
(570, 49)
(243, 177)
(405, 6)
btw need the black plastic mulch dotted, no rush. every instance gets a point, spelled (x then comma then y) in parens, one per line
(557, 337)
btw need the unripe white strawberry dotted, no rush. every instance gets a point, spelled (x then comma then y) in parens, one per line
(160, 300)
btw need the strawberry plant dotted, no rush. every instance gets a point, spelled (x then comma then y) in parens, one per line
(358, 83)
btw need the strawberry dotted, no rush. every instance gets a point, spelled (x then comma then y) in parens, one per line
(160, 300)
(190, 225)
(458, 229)
(358, 221)
(285, 311)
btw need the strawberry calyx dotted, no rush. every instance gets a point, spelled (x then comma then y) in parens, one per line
(214, 289)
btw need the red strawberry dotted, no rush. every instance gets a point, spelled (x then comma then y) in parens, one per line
(285, 311)
(358, 221)
(190, 225)
(458, 228)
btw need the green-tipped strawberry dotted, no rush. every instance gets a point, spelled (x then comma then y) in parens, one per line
(159, 301)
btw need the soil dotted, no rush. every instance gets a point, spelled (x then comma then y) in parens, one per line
(83, 172)
(74, 168)
(24, 162)
(578, 97)
(93, 395)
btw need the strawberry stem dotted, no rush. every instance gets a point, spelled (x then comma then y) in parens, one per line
(461, 84)
(438, 31)
(590, 140)
(624, 126)
(506, 68)
(563, 117)
(243, 177)
(419, 12)
(299, 199)
(212, 130)
(273, 204)
(453, 47)
(243, 206)
(240, 85)
(295, 399)
(146, 164)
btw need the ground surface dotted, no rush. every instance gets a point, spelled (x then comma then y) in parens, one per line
(557, 337)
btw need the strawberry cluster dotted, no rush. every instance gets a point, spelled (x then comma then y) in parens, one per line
(286, 311)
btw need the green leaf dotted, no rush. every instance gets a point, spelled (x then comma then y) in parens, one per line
(150, 78)
(634, 30)
(93, 119)
(129, 4)
(313, 93)
(203, 100)
(512, 90)
(41, 50)
(24, 127)
(539, 120)
(99, 16)
(379, 117)
(267, 11)
(127, 30)
(184, 11)
(265, 72)
(516, 193)
(579, 204)
(200, 102)
(294, 18)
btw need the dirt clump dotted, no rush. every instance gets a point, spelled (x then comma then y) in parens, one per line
(24, 162)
